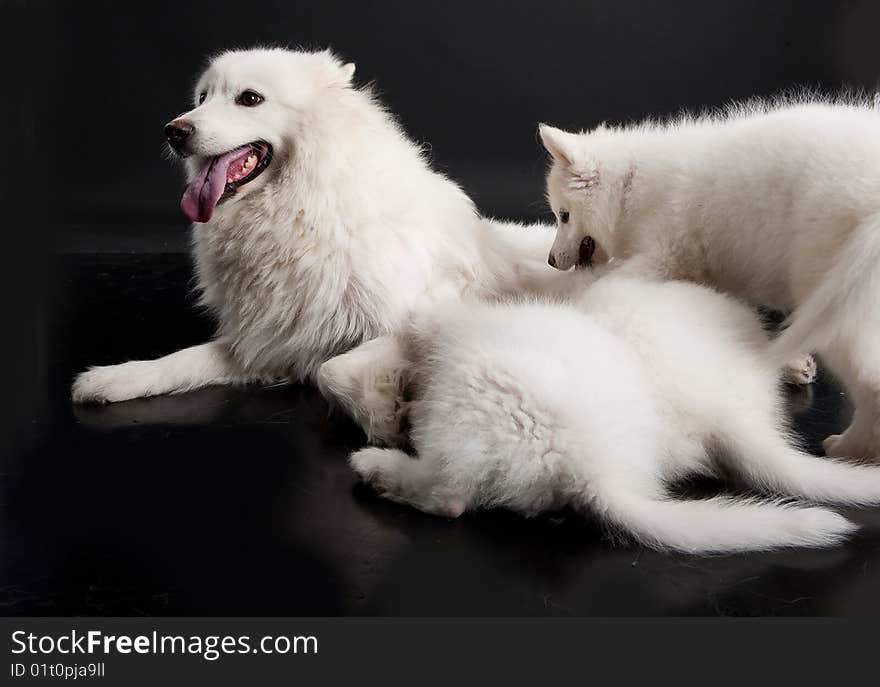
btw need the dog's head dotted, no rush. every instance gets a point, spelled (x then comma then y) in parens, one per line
(584, 200)
(248, 107)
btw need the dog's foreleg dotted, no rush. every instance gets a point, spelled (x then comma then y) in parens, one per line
(187, 369)
(408, 480)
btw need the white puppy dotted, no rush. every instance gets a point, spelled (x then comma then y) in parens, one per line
(777, 204)
(318, 225)
(598, 405)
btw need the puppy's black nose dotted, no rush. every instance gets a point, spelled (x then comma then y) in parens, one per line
(551, 260)
(177, 132)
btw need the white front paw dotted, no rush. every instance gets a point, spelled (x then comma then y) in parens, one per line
(114, 383)
(370, 464)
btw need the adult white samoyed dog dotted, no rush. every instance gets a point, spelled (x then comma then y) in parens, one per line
(318, 225)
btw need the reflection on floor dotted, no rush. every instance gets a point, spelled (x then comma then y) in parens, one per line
(239, 502)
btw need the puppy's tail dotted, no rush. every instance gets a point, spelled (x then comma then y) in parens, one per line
(846, 295)
(765, 458)
(721, 525)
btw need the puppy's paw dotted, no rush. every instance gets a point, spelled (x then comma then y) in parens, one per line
(829, 445)
(390, 473)
(846, 445)
(372, 465)
(114, 383)
(800, 371)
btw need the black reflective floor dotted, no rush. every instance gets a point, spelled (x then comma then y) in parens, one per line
(239, 502)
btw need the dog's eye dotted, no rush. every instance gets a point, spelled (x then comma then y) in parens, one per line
(249, 99)
(563, 216)
(202, 97)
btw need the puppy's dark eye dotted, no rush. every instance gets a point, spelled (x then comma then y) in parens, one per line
(563, 216)
(202, 97)
(249, 99)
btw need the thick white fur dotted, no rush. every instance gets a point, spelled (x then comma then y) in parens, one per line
(338, 241)
(598, 405)
(778, 204)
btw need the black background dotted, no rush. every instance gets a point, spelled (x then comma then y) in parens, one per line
(239, 501)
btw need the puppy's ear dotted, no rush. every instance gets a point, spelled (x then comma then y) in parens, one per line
(559, 143)
(567, 149)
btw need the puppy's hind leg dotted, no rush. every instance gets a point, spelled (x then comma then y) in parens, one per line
(840, 319)
(406, 479)
(855, 360)
(188, 369)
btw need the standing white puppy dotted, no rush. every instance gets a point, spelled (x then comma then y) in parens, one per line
(318, 225)
(776, 204)
(598, 405)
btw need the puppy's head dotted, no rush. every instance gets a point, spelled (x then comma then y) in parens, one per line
(582, 199)
(248, 107)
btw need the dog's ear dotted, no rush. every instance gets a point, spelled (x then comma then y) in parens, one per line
(567, 149)
(559, 143)
(347, 72)
(333, 72)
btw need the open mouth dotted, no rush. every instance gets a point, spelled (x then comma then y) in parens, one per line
(221, 176)
(585, 252)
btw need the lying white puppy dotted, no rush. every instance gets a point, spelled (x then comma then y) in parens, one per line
(596, 405)
(318, 225)
(776, 204)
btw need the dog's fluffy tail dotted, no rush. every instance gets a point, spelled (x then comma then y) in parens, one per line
(721, 525)
(844, 298)
(769, 461)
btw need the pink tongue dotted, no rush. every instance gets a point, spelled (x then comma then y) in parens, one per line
(201, 196)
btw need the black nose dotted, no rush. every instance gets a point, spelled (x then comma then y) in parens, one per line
(177, 132)
(551, 260)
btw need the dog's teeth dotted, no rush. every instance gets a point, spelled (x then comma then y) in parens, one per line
(249, 163)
